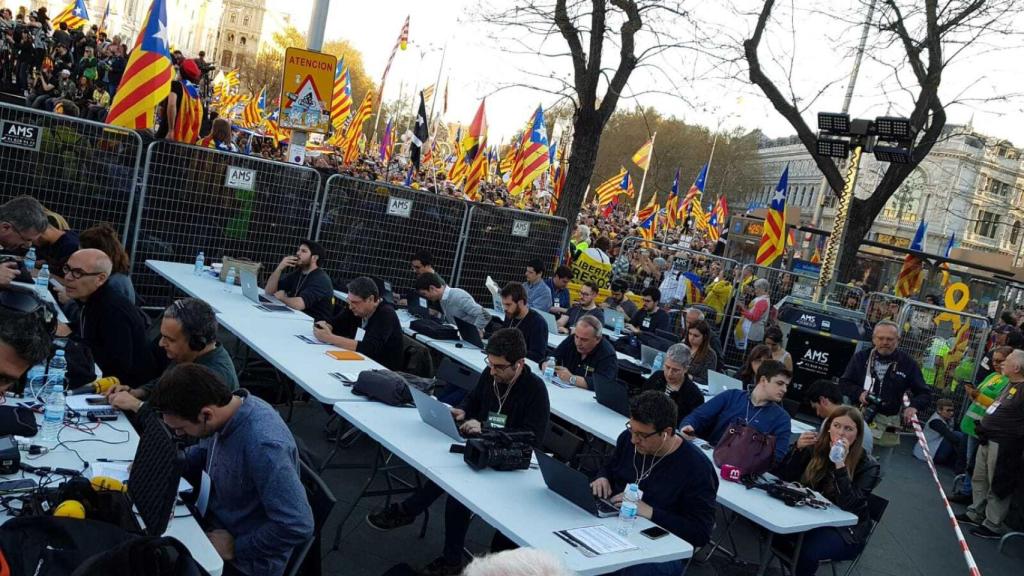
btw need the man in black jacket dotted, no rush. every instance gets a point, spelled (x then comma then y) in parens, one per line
(308, 288)
(111, 326)
(22, 221)
(507, 396)
(518, 315)
(650, 318)
(885, 373)
(381, 338)
(586, 356)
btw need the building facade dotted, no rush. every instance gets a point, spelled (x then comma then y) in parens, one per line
(970, 185)
(241, 30)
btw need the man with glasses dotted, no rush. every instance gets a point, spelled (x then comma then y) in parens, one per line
(368, 325)
(677, 483)
(22, 221)
(650, 318)
(587, 357)
(24, 339)
(507, 396)
(518, 315)
(111, 326)
(584, 307)
(675, 382)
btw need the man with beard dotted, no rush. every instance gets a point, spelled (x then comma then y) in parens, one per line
(307, 289)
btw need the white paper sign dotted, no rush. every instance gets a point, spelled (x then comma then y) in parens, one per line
(401, 207)
(240, 178)
(521, 228)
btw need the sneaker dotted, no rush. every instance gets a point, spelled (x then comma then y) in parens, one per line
(390, 518)
(441, 567)
(961, 499)
(964, 519)
(983, 532)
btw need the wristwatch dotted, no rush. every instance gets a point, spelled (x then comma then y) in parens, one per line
(572, 380)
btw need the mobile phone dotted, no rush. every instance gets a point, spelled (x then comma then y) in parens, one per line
(18, 484)
(96, 400)
(654, 532)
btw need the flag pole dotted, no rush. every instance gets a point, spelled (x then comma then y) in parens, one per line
(711, 158)
(643, 180)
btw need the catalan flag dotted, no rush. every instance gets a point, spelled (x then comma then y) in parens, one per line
(700, 217)
(252, 116)
(276, 132)
(721, 210)
(227, 104)
(642, 157)
(231, 78)
(912, 273)
(355, 130)
(505, 167)
(103, 21)
(672, 203)
(457, 170)
(559, 181)
(532, 159)
(695, 193)
(773, 237)
(648, 226)
(386, 146)
(474, 152)
(75, 15)
(190, 114)
(714, 232)
(650, 208)
(612, 187)
(945, 265)
(147, 77)
(341, 105)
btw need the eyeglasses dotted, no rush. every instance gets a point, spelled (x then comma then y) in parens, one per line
(499, 367)
(77, 273)
(640, 435)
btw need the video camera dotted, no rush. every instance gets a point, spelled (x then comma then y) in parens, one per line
(500, 450)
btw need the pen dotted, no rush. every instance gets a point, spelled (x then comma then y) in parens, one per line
(112, 460)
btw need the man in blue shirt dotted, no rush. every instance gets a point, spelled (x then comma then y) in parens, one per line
(256, 512)
(536, 290)
(559, 285)
(761, 408)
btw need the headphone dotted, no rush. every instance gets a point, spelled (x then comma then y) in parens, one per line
(198, 322)
(14, 303)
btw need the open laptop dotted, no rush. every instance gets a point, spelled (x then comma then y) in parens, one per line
(647, 355)
(549, 318)
(718, 383)
(435, 413)
(251, 290)
(573, 485)
(417, 310)
(610, 316)
(612, 395)
(469, 333)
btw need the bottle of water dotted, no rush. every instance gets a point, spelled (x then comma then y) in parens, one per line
(618, 324)
(628, 509)
(58, 369)
(53, 415)
(838, 452)
(35, 381)
(230, 280)
(43, 279)
(30, 258)
(659, 361)
(197, 270)
(549, 369)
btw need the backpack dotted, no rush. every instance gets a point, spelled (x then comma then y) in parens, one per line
(389, 387)
(434, 329)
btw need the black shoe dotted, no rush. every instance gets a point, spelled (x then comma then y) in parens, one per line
(441, 567)
(961, 499)
(964, 519)
(983, 532)
(390, 518)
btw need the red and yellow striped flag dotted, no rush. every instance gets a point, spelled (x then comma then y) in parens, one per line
(75, 15)
(642, 157)
(773, 237)
(147, 77)
(532, 159)
(252, 116)
(355, 129)
(190, 115)
(611, 188)
(341, 105)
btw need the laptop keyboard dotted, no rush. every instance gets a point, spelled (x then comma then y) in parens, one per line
(603, 506)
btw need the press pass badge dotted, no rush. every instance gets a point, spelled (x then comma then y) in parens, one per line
(496, 420)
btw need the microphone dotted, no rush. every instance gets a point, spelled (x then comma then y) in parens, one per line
(100, 386)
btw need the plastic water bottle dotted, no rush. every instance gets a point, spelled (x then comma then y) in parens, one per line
(36, 380)
(838, 452)
(43, 279)
(618, 325)
(230, 280)
(53, 415)
(659, 361)
(549, 369)
(197, 270)
(57, 371)
(30, 258)
(628, 509)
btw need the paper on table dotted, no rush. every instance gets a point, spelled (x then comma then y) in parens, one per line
(561, 383)
(120, 472)
(80, 403)
(597, 539)
(309, 340)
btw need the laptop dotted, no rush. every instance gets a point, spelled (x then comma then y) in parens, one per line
(647, 355)
(549, 318)
(612, 395)
(434, 412)
(718, 383)
(574, 486)
(417, 310)
(499, 309)
(251, 290)
(610, 316)
(469, 333)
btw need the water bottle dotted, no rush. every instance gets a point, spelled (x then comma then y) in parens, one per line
(230, 280)
(58, 369)
(43, 279)
(618, 325)
(53, 415)
(30, 258)
(549, 369)
(838, 452)
(659, 361)
(36, 380)
(197, 270)
(628, 509)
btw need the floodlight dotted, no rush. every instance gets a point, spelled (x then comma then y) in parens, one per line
(833, 147)
(893, 128)
(892, 154)
(834, 122)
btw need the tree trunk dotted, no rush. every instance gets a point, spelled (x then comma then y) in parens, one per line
(586, 140)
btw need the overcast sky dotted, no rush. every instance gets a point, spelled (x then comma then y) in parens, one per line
(476, 65)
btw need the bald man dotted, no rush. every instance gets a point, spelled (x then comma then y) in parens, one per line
(111, 326)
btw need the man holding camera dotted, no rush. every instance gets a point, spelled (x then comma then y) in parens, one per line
(507, 397)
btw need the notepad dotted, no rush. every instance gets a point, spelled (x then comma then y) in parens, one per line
(344, 355)
(595, 540)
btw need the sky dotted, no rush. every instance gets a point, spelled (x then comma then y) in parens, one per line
(816, 47)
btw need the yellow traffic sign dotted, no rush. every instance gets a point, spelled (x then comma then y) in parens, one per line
(307, 87)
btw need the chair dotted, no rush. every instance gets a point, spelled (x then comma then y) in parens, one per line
(876, 508)
(416, 358)
(562, 443)
(321, 501)
(456, 380)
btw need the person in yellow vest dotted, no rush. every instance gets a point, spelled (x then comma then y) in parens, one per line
(718, 292)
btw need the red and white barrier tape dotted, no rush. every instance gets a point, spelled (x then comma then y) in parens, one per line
(968, 557)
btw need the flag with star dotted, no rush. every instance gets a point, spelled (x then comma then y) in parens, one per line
(190, 114)
(75, 15)
(252, 116)
(695, 192)
(908, 282)
(773, 237)
(532, 159)
(419, 133)
(610, 189)
(147, 77)
(341, 104)
(672, 203)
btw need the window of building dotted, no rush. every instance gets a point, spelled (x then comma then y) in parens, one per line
(245, 21)
(987, 224)
(225, 58)
(231, 38)
(234, 18)
(1015, 233)
(1000, 188)
(242, 40)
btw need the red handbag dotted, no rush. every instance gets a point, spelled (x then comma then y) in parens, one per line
(746, 448)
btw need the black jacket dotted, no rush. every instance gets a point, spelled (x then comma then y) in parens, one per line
(534, 330)
(115, 332)
(687, 398)
(382, 341)
(904, 375)
(600, 364)
(526, 406)
(850, 494)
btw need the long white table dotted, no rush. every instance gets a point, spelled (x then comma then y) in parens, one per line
(118, 441)
(516, 503)
(272, 335)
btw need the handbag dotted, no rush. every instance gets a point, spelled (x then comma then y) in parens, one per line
(746, 448)
(433, 329)
(239, 264)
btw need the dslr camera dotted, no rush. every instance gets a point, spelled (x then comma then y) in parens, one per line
(500, 450)
(871, 409)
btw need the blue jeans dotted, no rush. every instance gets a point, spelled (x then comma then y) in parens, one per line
(672, 568)
(952, 454)
(823, 544)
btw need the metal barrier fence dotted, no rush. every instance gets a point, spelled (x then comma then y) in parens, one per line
(500, 241)
(372, 228)
(846, 296)
(224, 204)
(82, 170)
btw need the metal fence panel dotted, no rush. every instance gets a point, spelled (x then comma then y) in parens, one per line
(373, 228)
(85, 171)
(845, 295)
(221, 203)
(500, 241)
